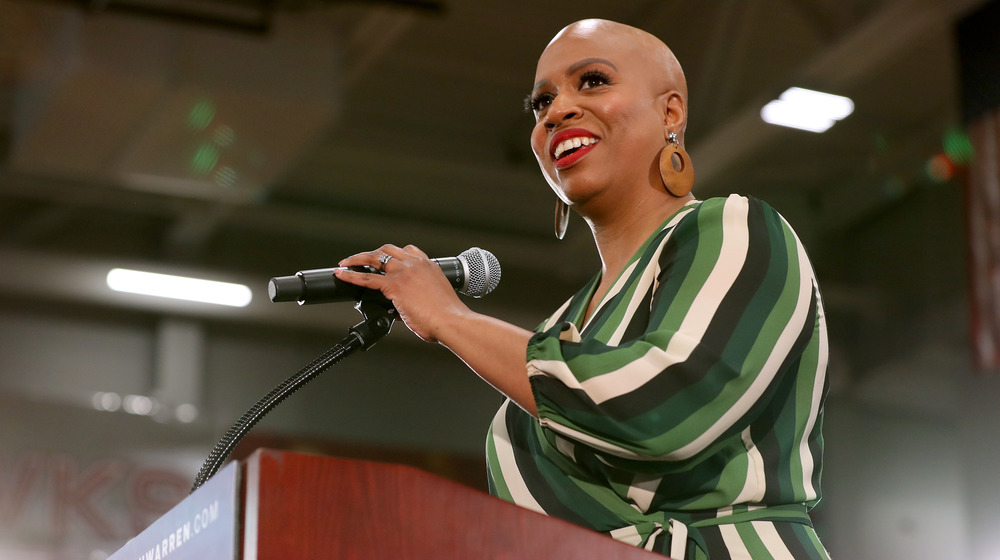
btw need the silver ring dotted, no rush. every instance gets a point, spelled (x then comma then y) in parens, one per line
(382, 259)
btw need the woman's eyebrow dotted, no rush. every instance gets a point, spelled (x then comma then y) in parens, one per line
(586, 62)
(574, 67)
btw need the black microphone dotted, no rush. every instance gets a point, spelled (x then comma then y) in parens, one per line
(476, 272)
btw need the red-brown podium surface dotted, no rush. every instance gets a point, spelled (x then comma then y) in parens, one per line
(311, 507)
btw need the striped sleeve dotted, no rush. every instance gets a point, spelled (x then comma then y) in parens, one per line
(684, 353)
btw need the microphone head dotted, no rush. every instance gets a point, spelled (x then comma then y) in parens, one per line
(484, 272)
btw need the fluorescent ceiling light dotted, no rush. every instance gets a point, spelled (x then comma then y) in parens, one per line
(805, 109)
(179, 287)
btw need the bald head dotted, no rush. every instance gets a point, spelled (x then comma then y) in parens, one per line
(656, 59)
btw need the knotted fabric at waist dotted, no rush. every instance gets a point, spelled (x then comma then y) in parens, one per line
(683, 526)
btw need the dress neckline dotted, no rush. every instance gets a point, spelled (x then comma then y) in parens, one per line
(578, 310)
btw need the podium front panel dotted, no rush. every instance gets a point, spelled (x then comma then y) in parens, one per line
(311, 507)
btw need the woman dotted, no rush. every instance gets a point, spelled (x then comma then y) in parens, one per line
(675, 402)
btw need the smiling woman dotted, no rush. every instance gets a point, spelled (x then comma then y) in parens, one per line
(675, 402)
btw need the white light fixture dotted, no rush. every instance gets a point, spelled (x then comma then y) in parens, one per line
(140, 405)
(186, 413)
(108, 402)
(179, 287)
(806, 109)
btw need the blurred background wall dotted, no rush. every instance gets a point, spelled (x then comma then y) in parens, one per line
(238, 140)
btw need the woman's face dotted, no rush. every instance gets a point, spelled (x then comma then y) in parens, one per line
(599, 124)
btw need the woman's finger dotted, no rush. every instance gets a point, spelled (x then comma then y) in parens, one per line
(374, 258)
(363, 279)
(414, 250)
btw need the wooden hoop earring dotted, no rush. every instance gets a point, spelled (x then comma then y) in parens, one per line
(676, 170)
(562, 218)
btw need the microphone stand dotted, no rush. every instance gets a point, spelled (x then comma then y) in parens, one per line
(379, 315)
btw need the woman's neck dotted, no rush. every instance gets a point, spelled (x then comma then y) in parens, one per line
(620, 235)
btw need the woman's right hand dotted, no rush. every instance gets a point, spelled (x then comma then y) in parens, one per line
(427, 303)
(413, 283)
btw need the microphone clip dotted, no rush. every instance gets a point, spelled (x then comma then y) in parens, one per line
(379, 314)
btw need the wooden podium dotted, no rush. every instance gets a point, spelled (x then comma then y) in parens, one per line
(292, 506)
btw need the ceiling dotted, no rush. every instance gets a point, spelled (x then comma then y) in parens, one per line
(244, 140)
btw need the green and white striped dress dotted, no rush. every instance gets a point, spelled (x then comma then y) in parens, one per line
(685, 415)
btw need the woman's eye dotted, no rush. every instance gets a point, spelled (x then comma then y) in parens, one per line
(540, 101)
(594, 79)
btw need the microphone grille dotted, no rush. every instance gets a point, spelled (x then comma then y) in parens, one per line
(484, 272)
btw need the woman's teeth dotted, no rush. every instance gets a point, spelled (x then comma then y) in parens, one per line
(572, 144)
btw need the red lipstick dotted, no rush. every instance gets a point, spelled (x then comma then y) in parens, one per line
(570, 156)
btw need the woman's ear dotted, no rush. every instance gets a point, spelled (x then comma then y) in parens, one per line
(674, 109)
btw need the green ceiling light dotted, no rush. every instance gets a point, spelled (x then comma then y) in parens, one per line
(957, 146)
(205, 158)
(201, 115)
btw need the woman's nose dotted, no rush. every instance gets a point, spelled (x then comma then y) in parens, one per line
(562, 108)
